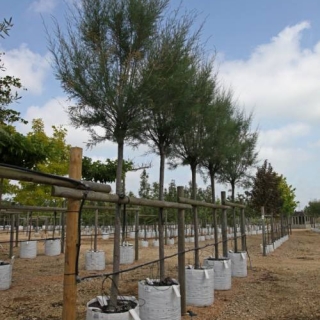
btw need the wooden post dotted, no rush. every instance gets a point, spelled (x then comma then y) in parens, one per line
(272, 228)
(136, 236)
(181, 255)
(17, 229)
(243, 230)
(196, 237)
(11, 236)
(166, 228)
(69, 284)
(46, 225)
(216, 239)
(263, 233)
(224, 227)
(62, 231)
(235, 241)
(54, 224)
(96, 216)
(30, 226)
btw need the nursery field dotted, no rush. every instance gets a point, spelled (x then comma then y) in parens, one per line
(283, 285)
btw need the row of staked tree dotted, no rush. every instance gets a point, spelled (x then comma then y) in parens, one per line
(138, 73)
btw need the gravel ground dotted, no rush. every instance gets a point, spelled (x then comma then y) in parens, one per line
(283, 285)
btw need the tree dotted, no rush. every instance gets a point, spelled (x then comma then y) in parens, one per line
(98, 171)
(218, 125)
(56, 161)
(99, 63)
(167, 74)
(266, 190)
(15, 149)
(313, 208)
(189, 147)
(241, 152)
(289, 204)
(7, 84)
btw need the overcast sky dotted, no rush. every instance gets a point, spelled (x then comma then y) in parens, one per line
(268, 52)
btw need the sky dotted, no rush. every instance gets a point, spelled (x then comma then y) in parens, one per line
(267, 52)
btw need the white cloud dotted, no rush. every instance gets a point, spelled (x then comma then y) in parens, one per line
(280, 83)
(43, 6)
(31, 68)
(279, 79)
(283, 135)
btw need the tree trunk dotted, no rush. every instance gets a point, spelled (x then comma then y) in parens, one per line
(160, 222)
(215, 220)
(117, 229)
(1, 188)
(195, 217)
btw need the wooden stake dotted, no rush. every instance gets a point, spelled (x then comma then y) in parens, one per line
(243, 230)
(17, 229)
(69, 284)
(224, 227)
(62, 231)
(216, 239)
(11, 235)
(263, 233)
(181, 256)
(235, 241)
(96, 216)
(136, 237)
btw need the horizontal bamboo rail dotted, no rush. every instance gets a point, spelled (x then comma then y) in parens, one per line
(114, 198)
(202, 203)
(48, 179)
(17, 208)
(233, 204)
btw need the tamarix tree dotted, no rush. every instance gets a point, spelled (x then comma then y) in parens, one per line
(99, 62)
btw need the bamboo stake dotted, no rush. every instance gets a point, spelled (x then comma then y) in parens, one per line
(224, 227)
(69, 284)
(96, 215)
(11, 236)
(17, 229)
(136, 237)
(62, 231)
(263, 233)
(243, 230)
(181, 256)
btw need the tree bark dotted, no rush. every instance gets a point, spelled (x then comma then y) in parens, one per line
(195, 217)
(117, 229)
(215, 220)
(160, 219)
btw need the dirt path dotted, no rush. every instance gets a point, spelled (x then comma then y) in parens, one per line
(283, 285)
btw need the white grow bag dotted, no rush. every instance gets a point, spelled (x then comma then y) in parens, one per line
(52, 247)
(171, 241)
(132, 235)
(126, 254)
(155, 243)
(159, 302)
(28, 249)
(94, 312)
(222, 272)
(199, 287)
(6, 275)
(144, 243)
(105, 236)
(95, 260)
(238, 264)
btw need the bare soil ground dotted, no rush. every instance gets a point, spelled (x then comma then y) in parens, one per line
(283, 285)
